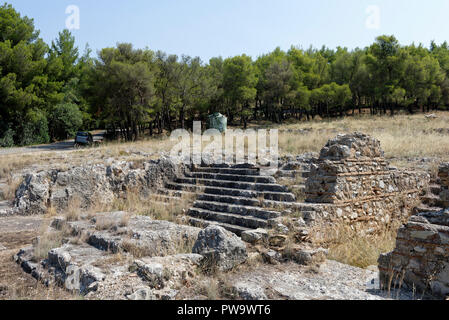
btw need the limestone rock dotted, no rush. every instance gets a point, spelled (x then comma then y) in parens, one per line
(152, 273)
(33, 193)
(255, 236)
(249, 291)
(355, 145)
(142, 294)
(277, 240)
(306, 256)
(272, 257)
(220, 248)
(90, 184)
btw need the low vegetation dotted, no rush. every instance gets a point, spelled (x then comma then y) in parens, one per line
(358, 249)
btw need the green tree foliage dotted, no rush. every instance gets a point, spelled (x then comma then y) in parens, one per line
(122, 85)
(239, 84)
(35, 129)
(34, 78)
(49, 92)
(65, 120)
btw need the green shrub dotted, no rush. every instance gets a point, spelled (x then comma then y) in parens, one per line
(35, 129)
(65, 120)
(7, 141)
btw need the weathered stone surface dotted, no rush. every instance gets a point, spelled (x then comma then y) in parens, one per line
(308, 256)
(357, 185)
(90, 184)
(272, 257)
(443, 174)
(220, 248)
(356, 145)
(33, 193)
(334, 281)
(147, 236)
(255, 236)
(152, 272)
(421, 256)
(162, 272)
(277, 240)
(142, 294)
(249, 291)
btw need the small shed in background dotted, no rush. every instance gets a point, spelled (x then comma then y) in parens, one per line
(217, 121)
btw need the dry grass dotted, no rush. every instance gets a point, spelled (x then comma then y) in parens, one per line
(400, 136)
(104, 223)
(356, 248)
(73, 211)
(47, 240)
(155, 206)
(13, 184)
(64, 159)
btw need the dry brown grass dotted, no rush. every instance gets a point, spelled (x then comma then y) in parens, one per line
(73, 211)
(400, 136)
(13, 184)
(47, 240)
(356, 248)
(155, 206)
(104, 223)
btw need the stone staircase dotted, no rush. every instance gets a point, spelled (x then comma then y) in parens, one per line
(431, 201)
(238, 198)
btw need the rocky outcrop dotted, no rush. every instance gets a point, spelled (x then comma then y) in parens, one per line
(221, 249)
(249, 291)
(88, 185)
(140, 235)
(69, 266)
(101, 262)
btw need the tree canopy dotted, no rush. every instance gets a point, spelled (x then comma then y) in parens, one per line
(48, 92)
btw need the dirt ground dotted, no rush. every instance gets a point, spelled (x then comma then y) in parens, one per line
(16, 233)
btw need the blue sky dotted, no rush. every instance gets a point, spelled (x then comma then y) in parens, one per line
(208, 28)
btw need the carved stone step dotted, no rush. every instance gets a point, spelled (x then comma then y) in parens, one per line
(229, 218)
(259, 213)
(233, 184)
(231, 177)
(200, 223)
(276, 196)
(234, 171)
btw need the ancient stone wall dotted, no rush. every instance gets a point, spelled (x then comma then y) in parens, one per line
(355, 183)
(443, 175)
(421, 257)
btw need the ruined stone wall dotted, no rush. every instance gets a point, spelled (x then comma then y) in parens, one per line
(421, 257)
(356, 184)
(443, 175)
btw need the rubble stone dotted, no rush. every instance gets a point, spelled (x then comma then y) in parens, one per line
(421, 256)
(220, 248)
(354, 183)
